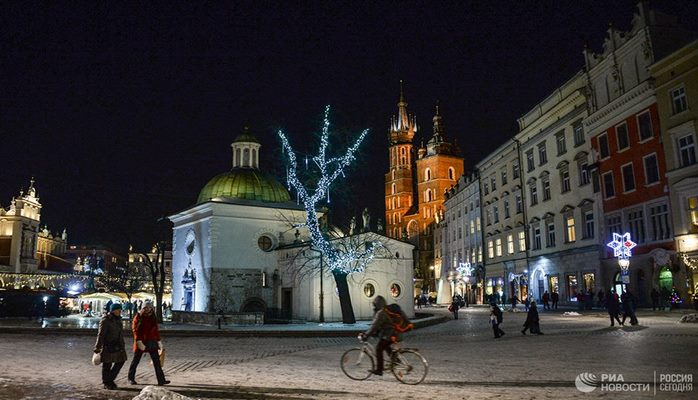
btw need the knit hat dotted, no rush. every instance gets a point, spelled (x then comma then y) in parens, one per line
(115, 306)
(148, 303)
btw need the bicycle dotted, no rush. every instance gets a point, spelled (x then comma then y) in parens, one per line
(407, 365)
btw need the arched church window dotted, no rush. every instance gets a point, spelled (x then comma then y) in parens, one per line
(427, 174)
(393, 178)
(451, 173)
(393, 188)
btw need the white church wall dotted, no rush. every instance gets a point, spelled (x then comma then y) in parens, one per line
(382, 273)
(187, 236)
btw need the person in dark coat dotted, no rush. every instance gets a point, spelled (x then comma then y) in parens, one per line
(628, 301)
(382, 327)
(110, 345)
(612, 307)
(532, 320)
(602, 301)
(546, 300)
(496, 319)
(455, 305)
(146, 339)
(554, 297)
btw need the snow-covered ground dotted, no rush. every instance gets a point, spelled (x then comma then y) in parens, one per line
(465, 362)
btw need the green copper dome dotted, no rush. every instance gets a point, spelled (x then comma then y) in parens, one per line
(244, 184)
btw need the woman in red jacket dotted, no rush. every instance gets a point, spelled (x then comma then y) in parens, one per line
(146, 338)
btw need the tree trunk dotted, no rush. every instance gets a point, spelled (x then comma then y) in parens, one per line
(340, 279)
(158, 305)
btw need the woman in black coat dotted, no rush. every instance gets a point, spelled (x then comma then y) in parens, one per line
(532, 320)
(111, 346)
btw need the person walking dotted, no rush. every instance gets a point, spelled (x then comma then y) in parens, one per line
(601, 298)
(612, 307)
(110, 345)
(628, 301)
(496, 319)
(514, 302)
(555, 297)
(546, 300)
(532, 320)
(146, 338)
(455, 305)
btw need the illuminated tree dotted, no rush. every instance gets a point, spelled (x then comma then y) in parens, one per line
(340, 260)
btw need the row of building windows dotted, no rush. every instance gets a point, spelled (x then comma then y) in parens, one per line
(492, 211)
(428, 176)
(475, 256)
(494, 246)
(570, 231)
(637, 220)
(474, 227)
(561, 142)
(491, 184)
(627, 173)
(645, 132)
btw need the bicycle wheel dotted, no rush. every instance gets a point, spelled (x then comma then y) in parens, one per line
(410, 367)
(357, 364)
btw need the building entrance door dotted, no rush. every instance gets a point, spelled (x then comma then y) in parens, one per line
(666, 280)
(287, 303)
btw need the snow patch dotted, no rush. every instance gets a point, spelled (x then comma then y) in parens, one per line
(689, 318)
(159, 393)
(571, 314)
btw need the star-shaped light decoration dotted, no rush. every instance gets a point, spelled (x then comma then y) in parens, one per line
(465, 269)
(622, 245)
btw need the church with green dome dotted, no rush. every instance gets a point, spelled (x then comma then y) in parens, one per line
(238, 249)
(244, 181)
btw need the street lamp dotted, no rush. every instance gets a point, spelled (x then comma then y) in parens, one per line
(44, 310)
(622, 246)
(322, 292)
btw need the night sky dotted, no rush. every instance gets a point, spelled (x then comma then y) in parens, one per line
(123, 112)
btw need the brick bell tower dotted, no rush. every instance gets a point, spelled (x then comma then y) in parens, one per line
(439, 164)
(399, 191)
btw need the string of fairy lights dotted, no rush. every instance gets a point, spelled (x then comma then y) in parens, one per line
(346, 261)
(691, 262)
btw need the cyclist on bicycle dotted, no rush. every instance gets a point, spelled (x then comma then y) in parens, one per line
(382, 327)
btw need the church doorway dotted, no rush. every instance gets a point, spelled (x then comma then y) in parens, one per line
(666, 280)
(286, 303)
(254, 305)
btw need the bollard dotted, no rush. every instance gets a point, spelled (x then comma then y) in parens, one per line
(219, 323)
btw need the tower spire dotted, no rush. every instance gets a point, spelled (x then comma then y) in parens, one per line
(403, 120)
(438, 124)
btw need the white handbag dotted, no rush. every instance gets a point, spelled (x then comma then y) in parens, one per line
(96, 358)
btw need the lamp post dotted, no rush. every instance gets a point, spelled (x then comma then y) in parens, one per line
(43, 313)
(322, 292)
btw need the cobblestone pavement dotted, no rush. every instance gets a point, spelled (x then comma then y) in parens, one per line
(465, 362)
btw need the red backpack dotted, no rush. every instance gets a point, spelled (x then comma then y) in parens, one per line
(400, 322)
